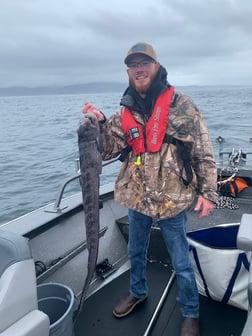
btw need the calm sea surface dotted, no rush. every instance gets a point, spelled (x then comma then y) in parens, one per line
(38, 140)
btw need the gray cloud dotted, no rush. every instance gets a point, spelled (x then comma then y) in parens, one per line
(60, 42)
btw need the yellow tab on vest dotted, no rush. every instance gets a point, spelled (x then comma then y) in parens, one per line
(138, 160)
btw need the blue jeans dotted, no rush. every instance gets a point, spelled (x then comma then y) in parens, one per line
(174, 234)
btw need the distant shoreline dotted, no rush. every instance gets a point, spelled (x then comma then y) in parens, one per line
(79, 89)
(69, 89)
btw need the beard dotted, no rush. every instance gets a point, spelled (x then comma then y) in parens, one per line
(142, 86)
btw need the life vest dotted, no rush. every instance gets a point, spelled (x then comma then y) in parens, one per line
(148, 137)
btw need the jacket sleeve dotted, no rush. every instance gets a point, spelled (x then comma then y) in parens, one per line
(202, 158)
(113, 138)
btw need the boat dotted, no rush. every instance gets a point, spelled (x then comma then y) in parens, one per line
(55, 236)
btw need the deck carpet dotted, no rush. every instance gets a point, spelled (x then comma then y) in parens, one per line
(216, 319)
(96, 318)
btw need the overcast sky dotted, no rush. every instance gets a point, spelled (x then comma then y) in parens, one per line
(61, 42)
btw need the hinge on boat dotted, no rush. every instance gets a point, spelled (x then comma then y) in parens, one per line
(104, 269)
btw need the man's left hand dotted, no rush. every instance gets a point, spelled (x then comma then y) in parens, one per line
(204, 206)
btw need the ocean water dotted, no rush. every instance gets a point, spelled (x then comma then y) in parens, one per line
(38, 139)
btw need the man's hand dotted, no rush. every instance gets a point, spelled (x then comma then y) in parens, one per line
(204, 206)
(90, 108)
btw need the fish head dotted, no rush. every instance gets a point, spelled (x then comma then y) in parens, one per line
(89, 129)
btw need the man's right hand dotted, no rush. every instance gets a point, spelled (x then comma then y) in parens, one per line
(90, 108)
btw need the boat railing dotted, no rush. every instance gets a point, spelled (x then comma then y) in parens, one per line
(56, 207)
(234, 158)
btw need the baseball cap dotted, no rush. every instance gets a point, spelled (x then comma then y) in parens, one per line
(141, 48)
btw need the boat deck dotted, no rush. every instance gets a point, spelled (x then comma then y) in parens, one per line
(96, 318)
(216, 319)
(231, 213)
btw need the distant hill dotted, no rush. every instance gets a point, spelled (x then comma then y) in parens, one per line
(68, 89)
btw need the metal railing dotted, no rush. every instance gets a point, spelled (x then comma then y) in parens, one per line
(56, 207)
(234, 158)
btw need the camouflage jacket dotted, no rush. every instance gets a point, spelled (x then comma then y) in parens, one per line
(155, 187)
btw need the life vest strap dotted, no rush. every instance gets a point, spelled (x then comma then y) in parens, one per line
(184, 154)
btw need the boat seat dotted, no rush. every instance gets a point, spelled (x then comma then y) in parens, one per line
(244, 236)
(18, 289)
(244, 242)
(247, 331)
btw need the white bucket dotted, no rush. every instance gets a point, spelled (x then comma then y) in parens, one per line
(58, 302)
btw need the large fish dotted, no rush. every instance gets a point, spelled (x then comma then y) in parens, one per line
(90, 166)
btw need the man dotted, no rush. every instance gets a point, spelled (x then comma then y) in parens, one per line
(167, 159)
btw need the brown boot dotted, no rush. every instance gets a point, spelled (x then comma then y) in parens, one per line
(126, 305)
(190, 327)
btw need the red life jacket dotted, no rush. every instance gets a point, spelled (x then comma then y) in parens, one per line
(149, 137)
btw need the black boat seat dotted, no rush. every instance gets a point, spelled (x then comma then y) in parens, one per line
(18, 289)
(244, 242)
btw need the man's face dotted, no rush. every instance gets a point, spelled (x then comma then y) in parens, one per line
(141, 71)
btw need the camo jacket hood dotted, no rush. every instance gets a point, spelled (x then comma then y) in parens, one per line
(155, 187)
